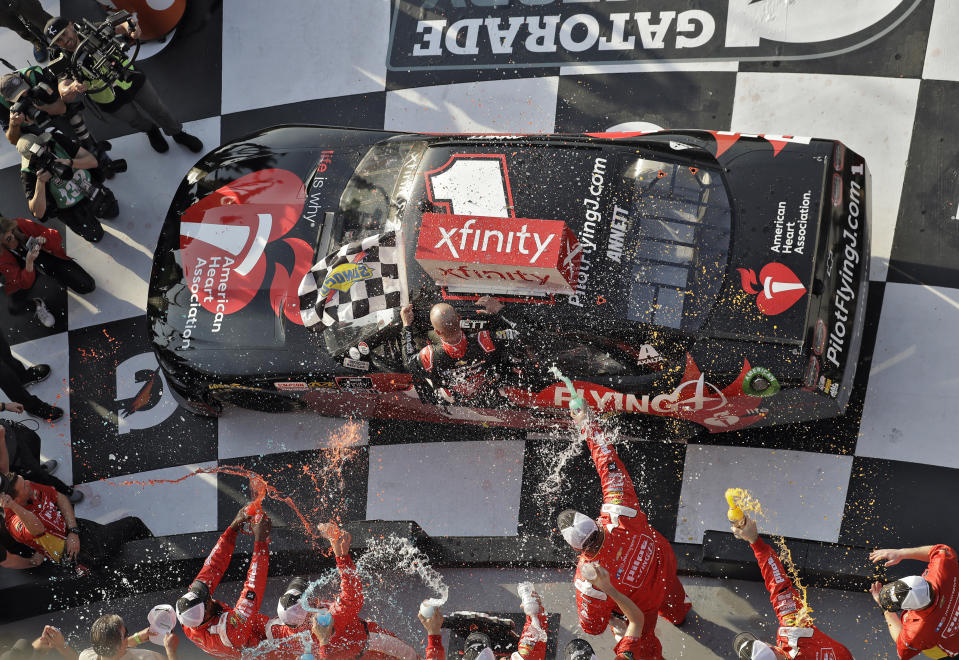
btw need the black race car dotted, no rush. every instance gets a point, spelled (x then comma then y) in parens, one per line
(712, 277)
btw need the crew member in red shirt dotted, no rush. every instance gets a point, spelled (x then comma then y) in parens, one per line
(218, 629)
(640, 561)
(797, 638)
(53, 530)
(337, 631)
(922, 612)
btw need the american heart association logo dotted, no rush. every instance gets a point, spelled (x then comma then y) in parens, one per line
(228, 232)
(780, 288)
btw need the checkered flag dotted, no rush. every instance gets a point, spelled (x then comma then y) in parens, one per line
(358, 279)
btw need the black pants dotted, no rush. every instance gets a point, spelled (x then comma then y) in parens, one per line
(66, 272)
(23, 447)
(12, 375)
(100, 545)
(82, 221)
(12, 15)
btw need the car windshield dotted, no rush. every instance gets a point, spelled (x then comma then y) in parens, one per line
(369, 206)
(680, 234)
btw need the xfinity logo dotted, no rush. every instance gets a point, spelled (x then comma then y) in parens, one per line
(457, 34)
(492, 235)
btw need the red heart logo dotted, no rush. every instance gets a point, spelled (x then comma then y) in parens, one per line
(779, 287)
(224, 236)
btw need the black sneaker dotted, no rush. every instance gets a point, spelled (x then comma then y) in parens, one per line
(157, 141)
(46, 411)
(40, 54)
(50, 466)
(191, 142)
(76, 496)
(37, 373)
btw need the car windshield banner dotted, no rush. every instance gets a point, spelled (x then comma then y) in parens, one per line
(474, 34)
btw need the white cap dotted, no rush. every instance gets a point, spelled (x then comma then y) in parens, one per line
(193, 614)
(162, 620)
(919, 595)
(577, 533)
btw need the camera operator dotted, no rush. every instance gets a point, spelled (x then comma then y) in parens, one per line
(26, 18)
(123, 92)
(32, 93)
(25, 245)
(55, 179)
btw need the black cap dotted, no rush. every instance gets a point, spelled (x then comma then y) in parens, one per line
(12, 86)
(55, 27)
(474, 645)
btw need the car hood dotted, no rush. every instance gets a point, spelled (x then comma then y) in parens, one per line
(240, 234)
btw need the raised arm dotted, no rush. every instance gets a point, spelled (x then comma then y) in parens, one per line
(252, 595)
(216, 564)
(785, 600)
(350, 601)
(434, 635)
(893, 557)
(618, 489)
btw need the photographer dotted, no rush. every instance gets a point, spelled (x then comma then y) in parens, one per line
(118, 89)
(33, 94)
(56, 181)
(24, 245)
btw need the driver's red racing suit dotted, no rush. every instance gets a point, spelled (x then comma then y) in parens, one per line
(468, 372)
(799, 642)
(352, 639)
(640, 561)
(532, 642)
(231, 630)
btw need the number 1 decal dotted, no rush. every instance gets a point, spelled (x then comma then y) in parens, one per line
(472, 184)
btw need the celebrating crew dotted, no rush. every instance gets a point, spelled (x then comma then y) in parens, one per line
(623, 542)
(336, 629)
(218, 629)
(797, 637)
(462, 369)
(921, 611)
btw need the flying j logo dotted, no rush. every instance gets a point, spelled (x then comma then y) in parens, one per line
(225, 241)
(779, 288)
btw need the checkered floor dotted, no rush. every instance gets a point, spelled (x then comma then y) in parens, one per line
(241, 65)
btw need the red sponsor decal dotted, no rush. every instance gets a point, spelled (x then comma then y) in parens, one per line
(488, 253)
(694, 399)
(225, 238)
(779, 288)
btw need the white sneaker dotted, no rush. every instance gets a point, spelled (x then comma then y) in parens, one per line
(43, 314)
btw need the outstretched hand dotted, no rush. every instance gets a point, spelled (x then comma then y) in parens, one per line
(488, 305)
(240, 518)
(433, 624)
(406, 314)
(892, 557)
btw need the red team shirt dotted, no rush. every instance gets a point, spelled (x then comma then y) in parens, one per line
(532, 643)
(42, 503)
(801, 643)
(640, 561)
(937, 625)
(227, 634)
(350, 632)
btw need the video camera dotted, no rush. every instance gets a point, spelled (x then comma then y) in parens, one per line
(100, 53)
(42, 158)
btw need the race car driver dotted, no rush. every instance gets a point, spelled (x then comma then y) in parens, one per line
(640, 561)
(464, 369)
(797, 638)
(921, 611)
(218, 629)
(336, 631)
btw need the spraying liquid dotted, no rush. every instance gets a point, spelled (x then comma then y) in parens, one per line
(576, 402)
(739, 500)
(531, 607)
